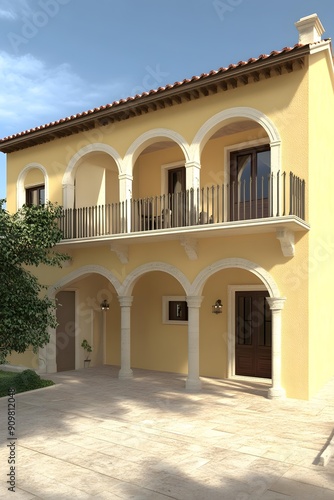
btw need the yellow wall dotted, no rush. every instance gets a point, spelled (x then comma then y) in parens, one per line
(284, 109)
(27, 359)
(289, 274)
(298, 104)
(34, 178)
(321, 249)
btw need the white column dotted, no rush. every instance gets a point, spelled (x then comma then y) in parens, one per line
(41, 362)
(125, 371)
(275, 162)
(125, 186)
(125, 195)
(48, 361)
(193, 178)
(193, 174)
(68, 196)
(276, 305)
(104, 336)
(193, 381)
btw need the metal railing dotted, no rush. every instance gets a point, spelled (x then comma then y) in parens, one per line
(276, 195)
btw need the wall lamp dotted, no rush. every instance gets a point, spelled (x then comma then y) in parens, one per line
(104, 305)
(217, 308)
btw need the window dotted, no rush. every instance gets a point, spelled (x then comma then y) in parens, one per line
(250, 183)
(35, 195)
(175, 310)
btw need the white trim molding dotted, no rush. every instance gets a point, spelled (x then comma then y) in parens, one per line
(150, 137)
(260, 272)
(166, 299)
(69, 175)
(131, 279)
(21, 188)
(215, 123)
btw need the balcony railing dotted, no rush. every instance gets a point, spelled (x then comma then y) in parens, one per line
(274, 196)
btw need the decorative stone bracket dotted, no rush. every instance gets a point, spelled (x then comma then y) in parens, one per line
(190, 247)
(121, 251)
(287, 241)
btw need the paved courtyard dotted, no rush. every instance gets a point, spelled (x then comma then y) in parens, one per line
(93, 436)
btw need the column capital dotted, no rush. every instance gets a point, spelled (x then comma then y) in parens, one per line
(194, 301)
(192, 164)
(125, 176)
(276, 303)
(125, 300)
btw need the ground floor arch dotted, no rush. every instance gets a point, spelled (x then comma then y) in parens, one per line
(79, 297)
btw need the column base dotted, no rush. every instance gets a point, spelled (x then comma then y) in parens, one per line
(193, 385)
(124, 374)
(276, 393)
(51, 367)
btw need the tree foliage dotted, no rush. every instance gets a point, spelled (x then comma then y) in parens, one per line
(27, 238)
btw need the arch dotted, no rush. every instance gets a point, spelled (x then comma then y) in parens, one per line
(21, 196)
(47, 354)
(262, 274)
(81, 273)
(131, 279)
(214, 123)
(90, 148)
(69, 175)
(150, 137)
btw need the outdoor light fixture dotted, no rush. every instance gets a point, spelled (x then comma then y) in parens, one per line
(104, 305)
(217, 308)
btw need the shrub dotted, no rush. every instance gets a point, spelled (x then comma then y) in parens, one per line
(27, 380)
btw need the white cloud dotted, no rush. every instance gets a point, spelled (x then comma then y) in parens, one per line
(12, 9)
(6, 14)
(32, 93)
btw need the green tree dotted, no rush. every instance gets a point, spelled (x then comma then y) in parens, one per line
(27, 239)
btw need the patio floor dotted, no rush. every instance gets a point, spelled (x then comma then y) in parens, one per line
(93, 436)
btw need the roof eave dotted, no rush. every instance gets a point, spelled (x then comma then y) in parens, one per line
(153, 100)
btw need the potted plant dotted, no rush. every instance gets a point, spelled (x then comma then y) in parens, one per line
(88, 348)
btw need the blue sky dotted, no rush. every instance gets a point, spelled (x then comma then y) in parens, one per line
(61, 57)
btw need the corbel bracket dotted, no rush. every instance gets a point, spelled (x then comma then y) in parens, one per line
(121, 251)
(287, 241)
(190, 247)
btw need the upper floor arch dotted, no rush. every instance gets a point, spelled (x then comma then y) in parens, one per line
(150, 137)
(72, 171)
(216, 122)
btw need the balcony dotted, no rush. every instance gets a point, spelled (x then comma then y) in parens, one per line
(259, 199)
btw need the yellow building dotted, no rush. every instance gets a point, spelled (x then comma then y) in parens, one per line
(197, 216)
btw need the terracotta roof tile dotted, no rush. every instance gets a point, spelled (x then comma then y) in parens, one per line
(186, 81)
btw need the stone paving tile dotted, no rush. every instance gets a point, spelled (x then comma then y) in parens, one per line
(46, 488)
(314, 475)
(19, 494)
(94, 436)
(300, 491)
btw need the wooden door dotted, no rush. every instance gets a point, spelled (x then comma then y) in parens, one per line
(176, 195)
(65, 333)
(253, 336)
(250, 183)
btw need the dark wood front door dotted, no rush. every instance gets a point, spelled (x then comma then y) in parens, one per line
(65, 333)
(252, 334)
